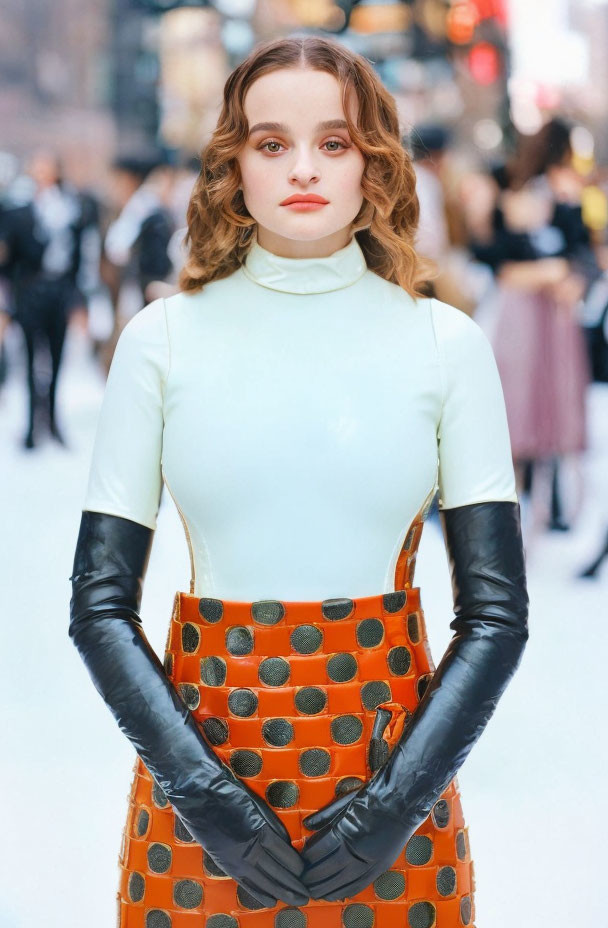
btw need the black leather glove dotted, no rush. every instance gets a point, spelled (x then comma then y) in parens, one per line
(361, 834)
(236, 827)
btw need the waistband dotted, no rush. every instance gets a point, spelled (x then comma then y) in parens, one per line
(293, 612)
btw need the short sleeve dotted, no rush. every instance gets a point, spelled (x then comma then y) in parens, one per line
(474, 446)
(125, 476)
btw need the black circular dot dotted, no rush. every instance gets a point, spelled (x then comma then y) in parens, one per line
(446, 881)
(347, 785)
(377, 753)
(346, 729)
(341, 667)
(136, 887)
(282, 794)
(399, 660)
(239, 640)
(247, 900)
(220, 920)
(421, 915)
(370, 633)
(216, 730)
(413, 627)
(374, 692)
(336, 609)
(213, 671)
(190, 694)
(422, 683)
(357, 915)
(440, 813)
(181, 832)
(168, 664)
(141, 825)
(314, 762)
(158, 796)
(461, 847)
(188, 894)
(418, 850)
(242, 702)
(290, 918)
(267, 612)
(159, 857)
(191, 637)
(310, 700)
(277, 732)
(465, 910)
(156, 918)
(211, 610)
(245, 763)
(393, 602)
(389, 885)
(306, 639)
(210, 867)
(274, 671)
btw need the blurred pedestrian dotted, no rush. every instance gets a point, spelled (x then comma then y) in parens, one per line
(537, 252)
(42, 238)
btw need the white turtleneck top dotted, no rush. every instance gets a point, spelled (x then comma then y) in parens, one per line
(300, 412)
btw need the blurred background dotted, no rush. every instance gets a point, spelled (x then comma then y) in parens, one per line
(105, 107)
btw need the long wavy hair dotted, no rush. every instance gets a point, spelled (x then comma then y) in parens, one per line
(220, 226)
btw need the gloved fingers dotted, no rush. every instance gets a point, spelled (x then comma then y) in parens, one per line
(289, 888)
(321, 881)
(344, 890)
(281, 852)
(320, 847)
(262, 889)
(324, 816)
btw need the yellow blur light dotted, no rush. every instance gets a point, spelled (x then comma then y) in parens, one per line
(381, 17)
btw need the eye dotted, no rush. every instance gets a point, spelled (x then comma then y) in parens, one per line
(336, 142)
(265, 145)
(270, 142)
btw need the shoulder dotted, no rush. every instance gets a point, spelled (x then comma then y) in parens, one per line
(144, 337)
(453, 324)
(458, 336)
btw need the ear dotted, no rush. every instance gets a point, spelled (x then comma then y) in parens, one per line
(317, 820)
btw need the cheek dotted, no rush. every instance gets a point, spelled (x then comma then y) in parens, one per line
(255, 177)
(349, 175)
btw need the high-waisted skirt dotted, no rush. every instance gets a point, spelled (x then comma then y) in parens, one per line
(287, 694)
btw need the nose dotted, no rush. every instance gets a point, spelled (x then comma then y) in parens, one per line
(304, 168)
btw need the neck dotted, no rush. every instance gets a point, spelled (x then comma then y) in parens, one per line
(297, 248)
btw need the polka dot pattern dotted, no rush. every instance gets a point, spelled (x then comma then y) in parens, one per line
(302, 701)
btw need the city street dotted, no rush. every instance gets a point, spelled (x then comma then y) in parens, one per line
(532, 788)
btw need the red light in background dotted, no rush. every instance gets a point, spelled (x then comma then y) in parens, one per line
(484, 63)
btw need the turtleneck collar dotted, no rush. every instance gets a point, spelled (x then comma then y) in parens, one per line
(305, 275)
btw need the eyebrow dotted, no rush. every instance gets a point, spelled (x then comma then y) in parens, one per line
(281, 127)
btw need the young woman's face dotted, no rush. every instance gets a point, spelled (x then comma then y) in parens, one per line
(299, 155)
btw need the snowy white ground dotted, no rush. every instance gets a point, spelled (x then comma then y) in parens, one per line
(533, 787)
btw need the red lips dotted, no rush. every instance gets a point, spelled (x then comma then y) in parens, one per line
(304, 198)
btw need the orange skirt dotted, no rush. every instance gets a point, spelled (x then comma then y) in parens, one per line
(287, 694)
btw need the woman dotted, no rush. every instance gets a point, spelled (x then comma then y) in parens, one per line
(303, 405)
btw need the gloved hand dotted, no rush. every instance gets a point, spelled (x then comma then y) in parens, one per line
(362, 833)
(237, 828)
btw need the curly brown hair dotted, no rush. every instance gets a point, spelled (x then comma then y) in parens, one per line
(219, 224)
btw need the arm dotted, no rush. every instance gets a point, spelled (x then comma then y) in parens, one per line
(241, 833)
(361, 834)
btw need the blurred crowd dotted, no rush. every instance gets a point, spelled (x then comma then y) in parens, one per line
(520, 244)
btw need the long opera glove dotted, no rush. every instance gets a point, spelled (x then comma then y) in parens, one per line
(240, 832)
(361, 834)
